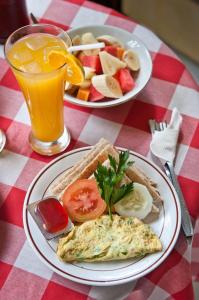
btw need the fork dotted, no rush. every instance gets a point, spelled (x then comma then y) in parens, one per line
(169, 170)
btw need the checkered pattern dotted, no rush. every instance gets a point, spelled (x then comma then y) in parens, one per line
(22, 275)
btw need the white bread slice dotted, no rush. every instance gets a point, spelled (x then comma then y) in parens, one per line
(81, 170)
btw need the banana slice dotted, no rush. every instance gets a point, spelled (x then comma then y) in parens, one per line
(76, 41)
(88, 38)
(68, 86)
(110, 64)
(88, 72)
(131, 59)
(109, 40)
(107, 86)
(137, 203)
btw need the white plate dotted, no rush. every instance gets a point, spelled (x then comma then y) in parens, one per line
(109, 273)
(130, 41)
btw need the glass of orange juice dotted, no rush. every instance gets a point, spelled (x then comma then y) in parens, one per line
(42, 83)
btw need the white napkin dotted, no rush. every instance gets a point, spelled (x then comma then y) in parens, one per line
(163, 144)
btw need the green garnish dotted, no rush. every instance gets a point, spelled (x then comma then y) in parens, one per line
(109, 178)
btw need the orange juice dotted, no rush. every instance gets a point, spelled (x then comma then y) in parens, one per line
(41, 83)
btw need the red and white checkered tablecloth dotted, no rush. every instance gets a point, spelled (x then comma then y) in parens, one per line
(22, 275)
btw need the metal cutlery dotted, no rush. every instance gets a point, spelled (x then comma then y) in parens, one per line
(169, 170)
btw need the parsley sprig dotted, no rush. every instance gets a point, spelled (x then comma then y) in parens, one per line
(109, 178)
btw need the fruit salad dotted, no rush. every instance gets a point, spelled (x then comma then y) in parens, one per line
(109, 72)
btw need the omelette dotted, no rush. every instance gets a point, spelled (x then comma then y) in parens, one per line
(104, 239)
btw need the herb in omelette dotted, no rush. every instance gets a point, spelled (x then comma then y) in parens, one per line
(109, 178)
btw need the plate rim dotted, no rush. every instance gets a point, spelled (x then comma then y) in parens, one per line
(105, 282)
(113, 102)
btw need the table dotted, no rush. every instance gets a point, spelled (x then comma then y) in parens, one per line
(22, 275)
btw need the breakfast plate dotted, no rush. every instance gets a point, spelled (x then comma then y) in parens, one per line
(130, 41)
(167, 227)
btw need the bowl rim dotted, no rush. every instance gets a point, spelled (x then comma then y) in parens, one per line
(125, 98)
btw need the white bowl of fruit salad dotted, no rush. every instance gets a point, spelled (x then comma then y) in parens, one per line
(113, 74)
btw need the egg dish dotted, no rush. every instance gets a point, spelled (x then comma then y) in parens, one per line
(104, 239)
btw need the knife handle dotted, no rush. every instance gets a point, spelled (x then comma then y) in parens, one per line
(186, 219)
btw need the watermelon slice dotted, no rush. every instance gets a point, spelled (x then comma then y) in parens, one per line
(125, 80)
(111, 50)
(92, 61)
(94, 95)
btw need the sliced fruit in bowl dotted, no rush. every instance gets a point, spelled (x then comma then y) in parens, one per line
(83, 94)
(107, 85)
(110, 64)
(109, 40)
(95, 95)
(131, 59)
(92, 61)
(101, 62)
(88, 38)
(125, 80)
(111, 50)
(123, 57)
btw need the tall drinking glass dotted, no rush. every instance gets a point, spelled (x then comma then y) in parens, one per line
(42, 83)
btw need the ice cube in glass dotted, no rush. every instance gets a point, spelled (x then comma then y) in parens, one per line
(23, 56)
(36, 43)
(32, 67)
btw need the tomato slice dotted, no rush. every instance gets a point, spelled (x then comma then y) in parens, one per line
(82, 200)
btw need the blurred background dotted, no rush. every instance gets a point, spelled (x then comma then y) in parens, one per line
(176, 22)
